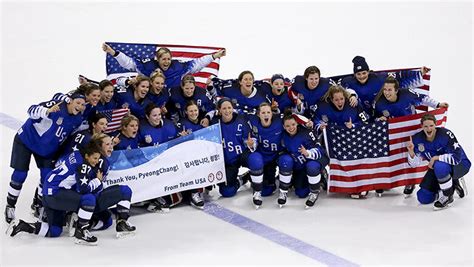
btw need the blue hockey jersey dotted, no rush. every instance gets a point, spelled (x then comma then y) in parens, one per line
(234, 137)
(445, 145)
(43, 134)
(269, 138)
(153, 136)
(72, 172)
(306, 138)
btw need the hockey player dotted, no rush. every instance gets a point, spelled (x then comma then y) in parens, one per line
(107, 101)
(277, 94)
(267, 128)
(127, 138)
(159, 93)
(239, 147)
(133, 95)
(309, 89)
(245, 93)
(366, 84)
(119, 195)
(71, 185)
(48, 126)
(191, 122)
(173, 70)
(155, 129)
(97, 124)
(391, 102)
(447, 163)
(302, 163)
(188, 90)
(336, 109)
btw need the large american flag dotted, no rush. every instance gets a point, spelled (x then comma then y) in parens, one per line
(179, 52)
(114, 117)
(374, 156)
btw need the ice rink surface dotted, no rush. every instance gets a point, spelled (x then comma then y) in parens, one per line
(45, 45)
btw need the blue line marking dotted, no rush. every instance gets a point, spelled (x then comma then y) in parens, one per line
(275, 236)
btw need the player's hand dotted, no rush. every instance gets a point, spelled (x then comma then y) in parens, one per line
(382, 118)
(108, 49)
(443, 105)
(424, 70)
(54, 108)
(349, 123)
(204, 122)
(100, 175)
(250, 142)
(116, 140)
(274, 105)
(219, 54)
(303, 151)
(309, 124)
(353, 101)
(410, 145)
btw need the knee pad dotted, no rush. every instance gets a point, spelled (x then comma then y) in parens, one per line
(441, 169)
(267, 190)
(43, 173)
(302, 192)
(55, 231)
(126, 192)
(255, 162)
(19, 176)
(88, 200)
(228, 190)
(285, 163)
(313, 168)
(425, 196)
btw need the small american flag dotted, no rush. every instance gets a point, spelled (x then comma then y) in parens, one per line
(114, 116)
(374, 156)
(179, 52)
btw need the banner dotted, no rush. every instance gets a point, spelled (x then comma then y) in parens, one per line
(188, 162)
(374, 156)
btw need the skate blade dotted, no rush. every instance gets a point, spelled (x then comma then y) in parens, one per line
(10, 227)
(256, 207)
(407, 195)
(197, 207)
(463, 185)
(443, 208)
(159, 210)
(85, 243)
(121, 235)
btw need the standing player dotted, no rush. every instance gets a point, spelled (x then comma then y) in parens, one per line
(48, 126)
(174, 70)
(447, 163)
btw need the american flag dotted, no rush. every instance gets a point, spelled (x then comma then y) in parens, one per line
(374, 156)
(114, 116)
(179, 52)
